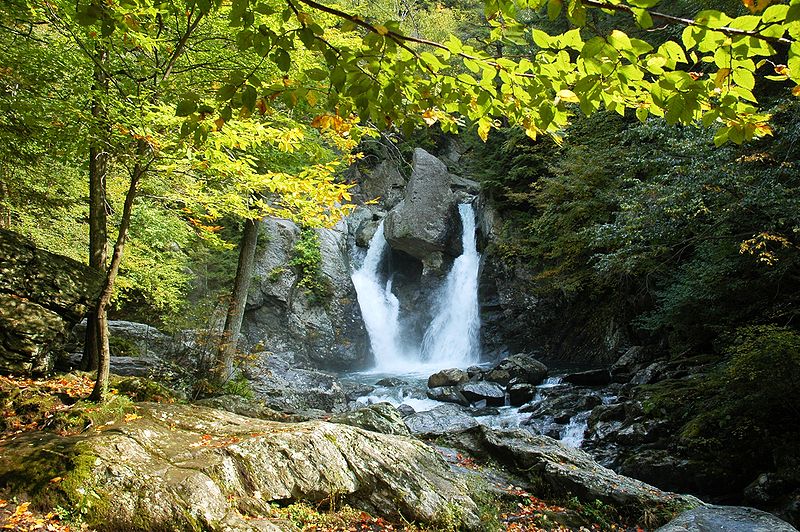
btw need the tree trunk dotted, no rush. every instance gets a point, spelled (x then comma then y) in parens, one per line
(98, 231)
(241, 286)
(101, 322)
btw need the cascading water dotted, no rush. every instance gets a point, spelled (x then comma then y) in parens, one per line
(379, 306)
(451, 339)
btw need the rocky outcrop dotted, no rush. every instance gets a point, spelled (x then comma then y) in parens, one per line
(42, 296)
(444, 419)
(282, 317)
(378, 417)
(727, 518)
(565, 471)
(180, 467)
(423, 224)
(383, 183)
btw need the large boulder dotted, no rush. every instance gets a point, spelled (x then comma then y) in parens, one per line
(378, 417)
(727, 518)
(281, 316)
(493, 394)
(42, 296)
(448, 377)
(522, 368)
(181, 467)
(423, 223)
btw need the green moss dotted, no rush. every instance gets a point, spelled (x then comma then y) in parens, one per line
(123, 347)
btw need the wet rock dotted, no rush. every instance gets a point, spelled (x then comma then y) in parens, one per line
(354, 390)
(614, 411)
(652, 373)
(378, 417)
(474, 371)
(523, 367)
(448, 377)
(727, 518)
(445, 419)
(406, 410)
(562, 399)
(391, 382)
(519, 394)
(594, 377)
(493, 394)
(448, 394)
(182, 467)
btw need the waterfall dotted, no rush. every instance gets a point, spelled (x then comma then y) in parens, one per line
(451, 339)
(379, 306)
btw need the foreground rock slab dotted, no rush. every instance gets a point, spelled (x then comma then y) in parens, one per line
(181, 467)
(727, 518)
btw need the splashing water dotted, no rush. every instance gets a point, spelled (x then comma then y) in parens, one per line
(451, 339)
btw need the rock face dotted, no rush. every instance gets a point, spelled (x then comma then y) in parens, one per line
(184, 467)
(566, 471)
(42, 296)
(284, 387)
(379, 417)
(385, 183)
(281, 317)
(423, 223)
(727, 518)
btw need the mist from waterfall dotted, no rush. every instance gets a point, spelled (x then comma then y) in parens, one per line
(451, 339)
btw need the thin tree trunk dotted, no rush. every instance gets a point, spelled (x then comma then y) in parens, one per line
(241, 286)
(98, 218)
(101, 323)
(5, 211)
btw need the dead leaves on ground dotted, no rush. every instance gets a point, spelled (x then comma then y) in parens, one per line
(19, 517)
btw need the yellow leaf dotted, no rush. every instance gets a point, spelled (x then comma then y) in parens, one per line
(796, 91)
(566, 95)
(756, 5)
(382, 30)
(723, 73)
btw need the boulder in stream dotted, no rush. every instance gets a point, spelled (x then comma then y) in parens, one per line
(493, 394)
(448, 377)
(444, 419)
(522, 367)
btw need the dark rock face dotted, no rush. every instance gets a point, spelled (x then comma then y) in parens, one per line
(281, 317)
(42, 296)
(727, 518)
(522, 367)
(593, 377)
(423, 223)
(448, 377)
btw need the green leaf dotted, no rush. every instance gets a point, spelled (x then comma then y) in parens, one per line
(619, 40)
(553, 9)
(644, 3)
(282, 58)
(744, 78)
(186, 107)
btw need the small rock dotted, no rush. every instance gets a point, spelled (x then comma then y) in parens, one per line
(391, 382)
(493, 394)
(406, 410)
(448, 377)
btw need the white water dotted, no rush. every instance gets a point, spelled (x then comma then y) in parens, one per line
(451, 339)
(379, 306)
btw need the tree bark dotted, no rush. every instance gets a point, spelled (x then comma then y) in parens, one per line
(98, 216)
(100, 320)
(241, 286)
